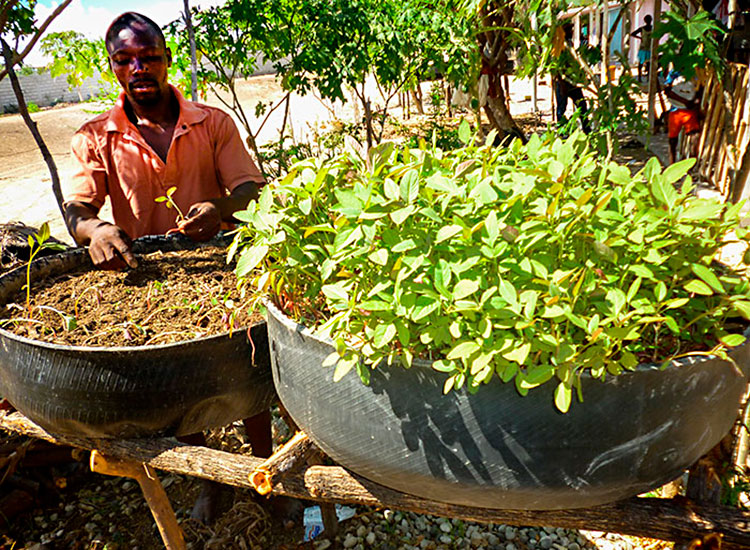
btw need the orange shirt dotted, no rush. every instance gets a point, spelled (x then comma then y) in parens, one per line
(206, 160)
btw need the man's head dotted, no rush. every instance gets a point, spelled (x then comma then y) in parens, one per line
(139, 57)
(647, 19)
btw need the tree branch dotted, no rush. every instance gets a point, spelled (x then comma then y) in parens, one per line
(37, 35)
(5, 12)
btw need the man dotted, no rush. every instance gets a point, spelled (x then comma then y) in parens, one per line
(685, 112)
(565, 71)
(154, 139)
(644, 49)
(151, 140)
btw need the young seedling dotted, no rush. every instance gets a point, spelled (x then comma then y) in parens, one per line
(170, 203)
(37, 243)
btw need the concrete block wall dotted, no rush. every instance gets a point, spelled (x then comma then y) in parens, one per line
(43, 90)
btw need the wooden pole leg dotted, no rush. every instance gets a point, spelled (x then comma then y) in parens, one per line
(153, 492)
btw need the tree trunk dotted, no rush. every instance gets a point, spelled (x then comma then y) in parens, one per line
(31, 125)
(493, 45)
(193, 60)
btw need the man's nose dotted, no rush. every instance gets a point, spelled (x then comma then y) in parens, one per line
(138, 64)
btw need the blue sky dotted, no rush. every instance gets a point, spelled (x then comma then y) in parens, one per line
(91, 17)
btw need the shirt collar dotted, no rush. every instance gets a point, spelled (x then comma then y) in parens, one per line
(190, 113)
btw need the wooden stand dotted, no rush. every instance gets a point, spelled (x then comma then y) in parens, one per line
(675, 519)
(153, 492)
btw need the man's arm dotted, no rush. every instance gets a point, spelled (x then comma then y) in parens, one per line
(203, 220)
(109, 246)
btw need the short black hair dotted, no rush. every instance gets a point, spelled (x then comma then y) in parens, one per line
(647, 18)
(128, 20)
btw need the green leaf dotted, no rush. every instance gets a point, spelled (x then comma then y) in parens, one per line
(464, 132)
(379, 257)
(743, 308)
(391, 190)
(663, 191)
(563, 395)
(447, 232)
(463, 350)
(343, 367)
(464, 288)
(401, 215)
(675, 172)
(492, 227)
(335, 292)
(660, 291)
(250, 258)
(409, 188)
(698, 287)
(732, 340)
(518, 353)
(375, 305)
(383, 335)
(708, 277)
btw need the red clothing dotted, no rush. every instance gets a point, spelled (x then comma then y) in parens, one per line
(682, 118)
(206, 160)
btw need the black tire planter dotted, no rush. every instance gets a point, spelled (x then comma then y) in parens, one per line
(139, 391)
(496, 449)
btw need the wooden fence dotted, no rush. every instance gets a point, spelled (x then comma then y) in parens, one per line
(724, 136)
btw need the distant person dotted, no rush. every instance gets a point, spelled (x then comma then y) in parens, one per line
(566, 72)
(643, 33)
(685, 113)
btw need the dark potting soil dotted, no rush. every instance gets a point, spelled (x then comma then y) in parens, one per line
(170, 297)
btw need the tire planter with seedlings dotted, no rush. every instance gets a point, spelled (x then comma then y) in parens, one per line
(139, 391)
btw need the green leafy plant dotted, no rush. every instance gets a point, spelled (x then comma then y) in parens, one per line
(37, 242)
(535, 263)
(691, 42)
(170, 202)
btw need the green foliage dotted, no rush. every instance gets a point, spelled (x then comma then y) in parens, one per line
(76, 57)
(37, 242)
(331, 44)
(169, 201)
(32, 107)
(535, 263)
(691, 43)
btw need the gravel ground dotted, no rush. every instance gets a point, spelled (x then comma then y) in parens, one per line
(394, 530)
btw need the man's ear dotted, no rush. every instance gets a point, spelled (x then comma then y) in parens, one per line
(169, 57)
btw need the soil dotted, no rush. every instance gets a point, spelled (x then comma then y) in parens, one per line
(171, 296)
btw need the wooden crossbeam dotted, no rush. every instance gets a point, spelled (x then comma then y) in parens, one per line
(676, 519)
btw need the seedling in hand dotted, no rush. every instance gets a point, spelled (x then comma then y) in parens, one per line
(171, 204)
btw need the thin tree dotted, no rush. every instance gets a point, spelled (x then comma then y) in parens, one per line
(12, 59)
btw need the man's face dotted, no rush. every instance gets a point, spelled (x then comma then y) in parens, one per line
(140, 61)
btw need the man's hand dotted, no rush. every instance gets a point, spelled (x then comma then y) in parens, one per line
(203, 221)
(110, 247)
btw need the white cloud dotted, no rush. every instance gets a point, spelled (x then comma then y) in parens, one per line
(92, 21)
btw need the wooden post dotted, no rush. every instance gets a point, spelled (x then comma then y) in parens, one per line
(653, 69)
(153, 492)
(292, 454)
(627, 28)
(604, 77)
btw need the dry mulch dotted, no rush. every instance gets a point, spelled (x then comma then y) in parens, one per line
(171, 296)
